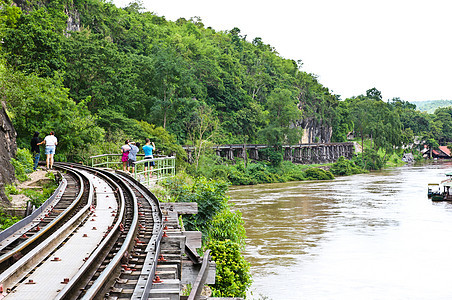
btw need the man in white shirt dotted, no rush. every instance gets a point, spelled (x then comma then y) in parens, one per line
(50, 141)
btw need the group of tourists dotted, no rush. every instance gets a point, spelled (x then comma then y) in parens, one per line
(129, 152)
(50, 142)
(129, 155)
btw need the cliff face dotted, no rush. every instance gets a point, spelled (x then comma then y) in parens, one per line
(73, 16)
(8, 149)
(315, 131)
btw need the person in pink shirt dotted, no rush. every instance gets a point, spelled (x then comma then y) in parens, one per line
(125, 155)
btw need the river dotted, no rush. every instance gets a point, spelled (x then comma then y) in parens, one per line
(367, 236)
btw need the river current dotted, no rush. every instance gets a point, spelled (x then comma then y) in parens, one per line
(367, 236)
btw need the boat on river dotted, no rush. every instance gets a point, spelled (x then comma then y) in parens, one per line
(433, 190)
(441, 191)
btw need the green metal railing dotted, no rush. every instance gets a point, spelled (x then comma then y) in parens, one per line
(165, 167)
(106, 160)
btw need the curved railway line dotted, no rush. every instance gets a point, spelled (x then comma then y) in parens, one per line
(99, 238)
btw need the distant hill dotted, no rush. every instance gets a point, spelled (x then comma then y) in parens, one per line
(431, 105)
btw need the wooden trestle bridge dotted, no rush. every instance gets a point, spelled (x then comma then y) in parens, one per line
(300, 153)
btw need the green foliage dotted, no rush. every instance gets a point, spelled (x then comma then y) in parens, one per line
(23, 164)
(253, 173)
(370, 160)
(394, 160)
(232, 273)
(318, 174)
(227, 225)
(42, 104)
(11, 189)
(37, 197)
(273, 155)
(7, 220)
(209, 194)
(344, 167)
(33, 43)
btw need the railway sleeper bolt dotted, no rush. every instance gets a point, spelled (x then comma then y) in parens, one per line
(93, 220)
(56, 259)
(94, 228)
(161, 258)
(65, 281)
(30, 281)
(166, 219)
(164, 234)
(85, 235)
(38, 228)
(86, 258)
(165, 228)
(24, 236)
(157, 279)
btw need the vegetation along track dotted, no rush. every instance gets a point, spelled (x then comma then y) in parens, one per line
(122, 263)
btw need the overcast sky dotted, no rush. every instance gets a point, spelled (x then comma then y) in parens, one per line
(402, 48)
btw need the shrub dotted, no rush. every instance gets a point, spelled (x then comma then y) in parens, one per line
(318, 174)
(370, 160)
(208, 193)
(23, 164)
(275, 157)
(7, 220)
(228, 225)
(232, 274)
(344, 167)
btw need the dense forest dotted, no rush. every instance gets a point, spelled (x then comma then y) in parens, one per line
(97, 74)
(126, 73)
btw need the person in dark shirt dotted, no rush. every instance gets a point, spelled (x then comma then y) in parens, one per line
(35, 142)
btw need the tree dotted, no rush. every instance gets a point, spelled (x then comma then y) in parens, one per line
(283, 112)
(43, 104)
(201, 129)
(33, 43)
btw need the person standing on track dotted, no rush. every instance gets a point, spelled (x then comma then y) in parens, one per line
(125, 155)
(51, 142)
(148, 148)
(35, 142)
(133, 155)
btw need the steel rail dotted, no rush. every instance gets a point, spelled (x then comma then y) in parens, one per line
(105, 276)
(44, 230)
(27, 220)
(13, 274)
(201, 278)
(153, 247)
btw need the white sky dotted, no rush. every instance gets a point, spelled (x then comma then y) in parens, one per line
(401, 47)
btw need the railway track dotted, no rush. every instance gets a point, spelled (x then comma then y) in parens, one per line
(99, 239)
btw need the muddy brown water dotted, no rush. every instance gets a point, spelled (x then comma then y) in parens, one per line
(367, 236)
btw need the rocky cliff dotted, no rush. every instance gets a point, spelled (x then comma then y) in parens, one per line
(8, 150)
(315, 131)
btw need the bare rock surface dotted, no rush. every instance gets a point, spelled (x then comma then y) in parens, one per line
(36, 180)
(8, 149)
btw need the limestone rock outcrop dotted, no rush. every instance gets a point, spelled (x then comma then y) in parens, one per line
(315, 131)
(8, 149)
